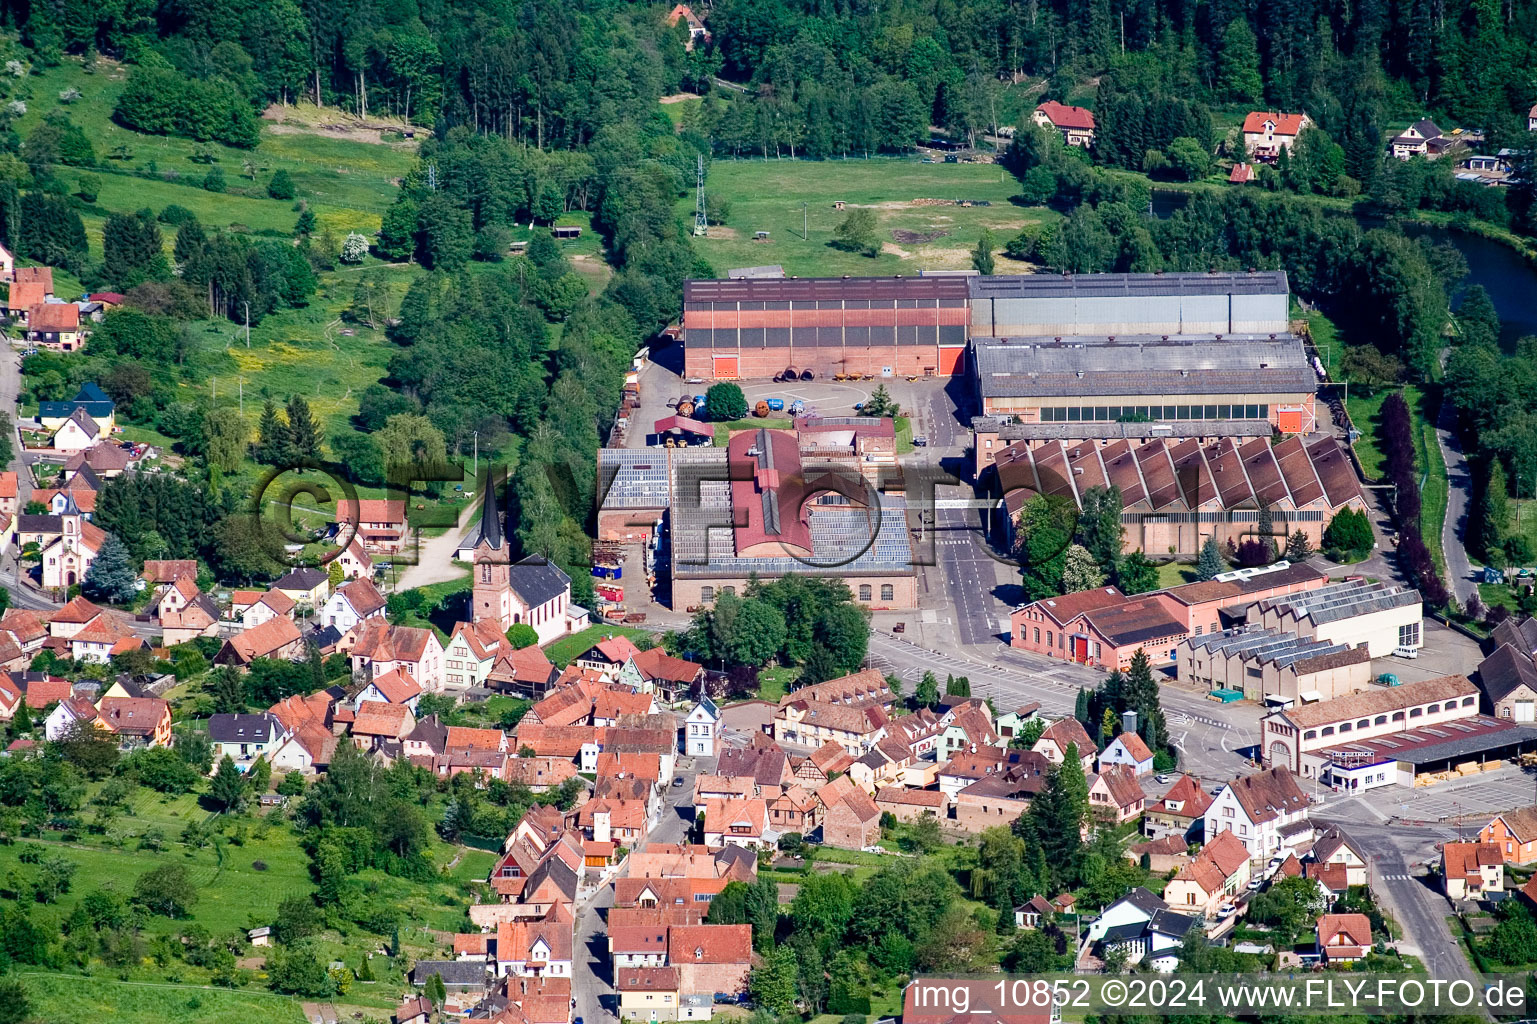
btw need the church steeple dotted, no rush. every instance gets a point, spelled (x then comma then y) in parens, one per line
(490, 533)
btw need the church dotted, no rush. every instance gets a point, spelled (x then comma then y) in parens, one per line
(531, 591)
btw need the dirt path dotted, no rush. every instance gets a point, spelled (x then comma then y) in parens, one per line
(435, 556)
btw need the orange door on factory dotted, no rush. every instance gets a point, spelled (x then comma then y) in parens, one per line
(725, 367)
(951, 360)
(1289, 419)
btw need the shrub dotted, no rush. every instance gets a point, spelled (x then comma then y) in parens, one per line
(281, 186)
(164, 102)
(176, 215)
(213, 181)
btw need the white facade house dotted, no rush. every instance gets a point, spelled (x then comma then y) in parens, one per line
(244, 738)
(1263, 810)
(352, 603)
(1129, 750)
(701, 730)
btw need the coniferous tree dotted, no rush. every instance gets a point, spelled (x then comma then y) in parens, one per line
(304, 436)
(274, 444)
(957, 686)
(1266, 531)
(1081, 707)
(227, 788)
(111, 577)
(1297, 547)
(1210, 564)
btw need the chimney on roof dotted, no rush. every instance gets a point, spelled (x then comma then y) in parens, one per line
(1129, 722)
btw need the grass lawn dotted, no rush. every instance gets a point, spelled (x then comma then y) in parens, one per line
(565, 650)
(1433, 495)
(774, 683)
(768, 195)
(723, 430)
(73, 999)
(1174, 574)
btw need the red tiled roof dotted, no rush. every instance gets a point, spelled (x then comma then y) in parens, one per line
(1063, 116)
(375, 718)
(710, 944)
(54, 316)
(371, 510)
(397, 686)
(463, 738)
(1285, 124)
(42, 692)
(25, 295)
(133, 715)
(79, 610)
(658, 664)
(266, 639)
(1134, 746)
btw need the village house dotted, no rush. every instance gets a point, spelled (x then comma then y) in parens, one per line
(536, 947)
(671, 679)
(1265, 134)
(472, 651)
(355, 561)
(701, 730)
(244, 738)
(1144, 927)
(1508, 676)
(376, 723)
(908, 805)
(713, 958)
(23, 297)
(379, 523)
(998, 799)
(75, 434)
(1064, 733)
(850, 818)
(1424, 138)
(307, 586)
(55, 326)
(648, 993)
(352, 603)
(376, 647)
(608, 656)
(393, 687)
(794, 810)
(1075, 124)
(1515, 833)
(136, 722)
(251, 608)
(1266, 811)
(1336, 851)
(1344, 938)
(1116, 793)
(1470, 870)
(1129, 750)
(739, 822)
(276, 638)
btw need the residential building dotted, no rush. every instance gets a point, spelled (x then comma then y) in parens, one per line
(136, 722)
(1144, 927)
(275, 638)
(850, 711)
(998, 799)
(76, 434)
(1508, 675)
(1424, 138)
(376, 647)
(306, 586)
(1128, 749)
(1265, 133)
(1075, 124)
(1515, 833)
(671, 679)
(355, 561)
(1061, 734)
(648, 993)
(251, 608)
(243, 738)
(701, 730)
(1469, 871)
(379, 523)
(714, 958)
(1262, 810)
(1180, 814)
(376, 724)
(1334, 847)
(850, 818)
(738, 822)
(393, 687)
(536, 947)
(1115, 793)
(352, 603)
(56, 326)
(96, 403)
(1343, 938)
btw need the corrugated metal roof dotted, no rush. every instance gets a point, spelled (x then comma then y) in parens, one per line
(793, 289)
(1045, 286)
(1102, 431)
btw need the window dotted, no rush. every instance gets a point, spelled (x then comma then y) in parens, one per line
(1362, 724)
(1398, 716)
(1327, 730)
(864, 591)
(888, 592)
(706, 593)
(1380, 720)
(1199, 630)
(1409, 635)
(1227, 812)
(1037, 634)
(1415, 712)
(1468, 702)
(1311, 734)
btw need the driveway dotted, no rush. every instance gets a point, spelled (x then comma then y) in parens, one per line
(1459, 490)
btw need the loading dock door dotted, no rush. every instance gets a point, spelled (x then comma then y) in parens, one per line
(725, 368)
(951, 359)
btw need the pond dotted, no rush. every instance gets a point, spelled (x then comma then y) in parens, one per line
(1509, 279)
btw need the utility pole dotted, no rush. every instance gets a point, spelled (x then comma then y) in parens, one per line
(701, 222)
(805, 223)
(475, 471)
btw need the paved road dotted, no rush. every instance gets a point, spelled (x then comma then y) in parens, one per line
(1459, 568)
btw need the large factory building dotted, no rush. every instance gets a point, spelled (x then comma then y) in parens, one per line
(757, 328)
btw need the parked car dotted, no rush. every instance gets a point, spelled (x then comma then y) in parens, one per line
(1163, 778)
(920, 441)
(1406, 652)
(678, 781)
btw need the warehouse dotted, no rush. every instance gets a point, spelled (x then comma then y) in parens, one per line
(1176, 494)
(1278, 668)
(1301, 737)
(1043, 305)
(758, 328)
(1106, 378)
(1383, 617)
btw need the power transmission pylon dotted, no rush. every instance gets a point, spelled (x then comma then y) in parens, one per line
(701, 223)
